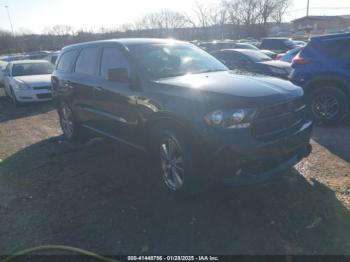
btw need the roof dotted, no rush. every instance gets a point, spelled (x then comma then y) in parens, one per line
(28, 62)
(333, 36)
(127, 42)
(322, 17)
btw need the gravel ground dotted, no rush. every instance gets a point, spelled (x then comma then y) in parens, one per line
(104, 198)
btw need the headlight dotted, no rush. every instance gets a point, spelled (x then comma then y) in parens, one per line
(230, 119)
(21, 86)
(278, 70)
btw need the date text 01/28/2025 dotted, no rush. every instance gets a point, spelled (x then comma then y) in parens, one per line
(172, 258)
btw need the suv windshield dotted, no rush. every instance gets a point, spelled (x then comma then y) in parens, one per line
(162, 61)
(26, 69)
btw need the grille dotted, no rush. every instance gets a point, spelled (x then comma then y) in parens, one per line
(279, 120)
(42, 87)
(43, 96)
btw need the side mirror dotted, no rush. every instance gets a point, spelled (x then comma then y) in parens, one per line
(118, 75)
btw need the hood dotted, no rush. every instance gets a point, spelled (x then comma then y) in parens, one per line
(240, 87)
(35, 80)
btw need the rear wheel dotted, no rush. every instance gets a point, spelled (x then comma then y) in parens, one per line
(72, 131)
(329, 104)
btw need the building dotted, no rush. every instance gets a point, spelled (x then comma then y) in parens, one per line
(322, 24)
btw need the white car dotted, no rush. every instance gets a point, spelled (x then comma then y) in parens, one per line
(28, 81)
(52, 57)
(2, 72)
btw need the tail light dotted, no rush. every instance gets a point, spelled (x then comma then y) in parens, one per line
(298, 60)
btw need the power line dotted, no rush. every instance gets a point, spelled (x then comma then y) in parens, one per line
(8, 14)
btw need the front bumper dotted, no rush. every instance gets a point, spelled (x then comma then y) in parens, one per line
(239, 162)
(27, 96)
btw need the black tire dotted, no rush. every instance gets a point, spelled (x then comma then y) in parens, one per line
(6, 94)
(74, 132)
(14, 100)
(329, 105)
(190, 181)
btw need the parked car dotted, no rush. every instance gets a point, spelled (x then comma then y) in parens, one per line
(253, 47)
(322, 68)
(288, 56)
(184, 106)
(252, 61)
(216, 45)
(37, 55)
(28, 81)
(52, 57)
(277, 44)
(2, 72)
(229, 44)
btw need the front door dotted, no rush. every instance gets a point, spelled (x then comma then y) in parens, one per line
(116, 102)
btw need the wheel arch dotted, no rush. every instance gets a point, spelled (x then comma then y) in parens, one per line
(173, 121)
(339, 82)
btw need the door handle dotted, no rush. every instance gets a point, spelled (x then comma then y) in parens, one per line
(98, 88)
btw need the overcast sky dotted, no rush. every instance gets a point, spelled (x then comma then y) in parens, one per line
(35, 15)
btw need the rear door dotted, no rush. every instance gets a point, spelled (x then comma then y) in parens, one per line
(84, 82)
(339, 51)
(60, 79)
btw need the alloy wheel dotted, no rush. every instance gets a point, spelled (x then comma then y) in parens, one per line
(325, 106)
(172, 163)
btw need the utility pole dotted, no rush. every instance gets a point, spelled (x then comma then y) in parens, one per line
(307, 8)
(8, 14)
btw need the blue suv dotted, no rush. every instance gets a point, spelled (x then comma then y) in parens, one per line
(322, 68)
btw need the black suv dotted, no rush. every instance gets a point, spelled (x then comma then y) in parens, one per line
(180, 103)
(277, 44)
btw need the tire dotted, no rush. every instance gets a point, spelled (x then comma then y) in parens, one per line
(14, 100)
(71, 129)
(6, 94)
(329, 105)
(177, 169)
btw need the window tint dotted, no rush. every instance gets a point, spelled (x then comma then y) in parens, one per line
(53, 59)
(66, 60)
(339, 49)
(87, 61)
(112, 57)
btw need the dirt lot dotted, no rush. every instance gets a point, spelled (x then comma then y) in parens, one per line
(102, 197)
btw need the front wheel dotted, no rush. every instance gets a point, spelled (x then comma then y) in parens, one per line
(178, 168)
(15, 102)
(329, 105)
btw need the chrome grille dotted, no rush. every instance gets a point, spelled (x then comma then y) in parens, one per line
(279, 120)
(42, 87)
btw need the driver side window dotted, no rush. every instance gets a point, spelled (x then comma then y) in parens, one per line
(112, 57)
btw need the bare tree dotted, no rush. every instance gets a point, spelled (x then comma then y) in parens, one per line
(280, 10)
(59, 30)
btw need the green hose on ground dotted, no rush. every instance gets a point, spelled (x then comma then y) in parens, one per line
(60, 248)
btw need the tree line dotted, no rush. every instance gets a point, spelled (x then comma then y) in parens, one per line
(226, 19)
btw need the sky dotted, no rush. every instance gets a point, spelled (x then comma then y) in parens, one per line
(35, 15)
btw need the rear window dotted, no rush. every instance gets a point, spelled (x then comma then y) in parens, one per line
(339, 49)
(87, 62)
(66, 61)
